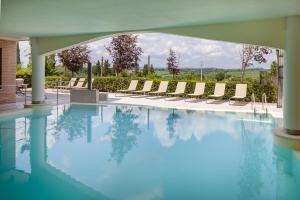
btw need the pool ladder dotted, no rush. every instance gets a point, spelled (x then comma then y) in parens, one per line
(263, 102)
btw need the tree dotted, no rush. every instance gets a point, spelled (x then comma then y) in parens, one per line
(137, 69)
(250, 54)
(101, 66)
(220, 76)
(74, 58)
(146, 70)
(50, 65)
(96, 68)
(273, 67)
(172, 63)
(18, 54)
(124, 51)
(152, 71)
(106, 67)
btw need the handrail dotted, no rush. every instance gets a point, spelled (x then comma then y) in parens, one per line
(264, 102)
(253, 101)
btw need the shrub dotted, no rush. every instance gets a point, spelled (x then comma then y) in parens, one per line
(52, 81)
(220, 76)
(25, 73)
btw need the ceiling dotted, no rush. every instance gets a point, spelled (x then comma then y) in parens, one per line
(40, 18)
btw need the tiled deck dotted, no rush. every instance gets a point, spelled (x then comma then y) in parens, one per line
(165, 102)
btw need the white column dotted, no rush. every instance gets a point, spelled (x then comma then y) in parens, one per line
(291, 82)
(38, 73)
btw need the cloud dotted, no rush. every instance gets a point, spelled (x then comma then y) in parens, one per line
(190, 51)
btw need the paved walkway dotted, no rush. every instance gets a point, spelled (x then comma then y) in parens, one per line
(158, 101)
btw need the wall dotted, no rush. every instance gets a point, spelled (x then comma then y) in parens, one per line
(8, 73)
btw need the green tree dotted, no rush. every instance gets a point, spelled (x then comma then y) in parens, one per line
(50, 65)
(97, 68)
(273, 67)
(124, 52)
(250, 54)
(220, 76)
(18, 54)
(172, 63)
(152, 71)
(146, 70)
(106, 67)
(136, 69)
(74, 58)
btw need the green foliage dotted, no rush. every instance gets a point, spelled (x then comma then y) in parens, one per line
(24, 73)
(107, 69)
(172, 63)
(52, 81)
(112, 84)
(220, 76)
(146, 70)
(273, 67)
(18, 54)
(152, 71)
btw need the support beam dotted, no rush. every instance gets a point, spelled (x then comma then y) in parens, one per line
(291, 81)
(38, 73)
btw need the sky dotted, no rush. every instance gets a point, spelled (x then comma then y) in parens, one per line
(191, 52)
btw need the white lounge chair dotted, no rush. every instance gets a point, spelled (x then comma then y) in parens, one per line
(240, 92)
(80, 83)
(180, 88)
(132, 86)
(70, 85)
(162, 89)
(147, 88)
(86, 85)
(199, 90)
(219, 91)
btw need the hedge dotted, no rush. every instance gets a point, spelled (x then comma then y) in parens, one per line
(51, 81)
(112, 84)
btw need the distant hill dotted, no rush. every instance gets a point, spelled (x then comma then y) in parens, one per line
(212, 69)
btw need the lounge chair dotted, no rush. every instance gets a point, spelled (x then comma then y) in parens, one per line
(80, 83)
(69, 85)
(240, 92)
(147, 88)
(132, 86)
(86, 85)
(199, 90)
(162, 89)
(219, 91)
(180, 88)
(19, 86)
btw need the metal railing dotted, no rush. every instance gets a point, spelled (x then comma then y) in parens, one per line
(253, 102)
(264, 102)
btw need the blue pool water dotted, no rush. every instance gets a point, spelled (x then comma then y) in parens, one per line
(132, 153)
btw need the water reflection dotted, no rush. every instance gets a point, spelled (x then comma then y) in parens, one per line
(254, 158)
(171, 122)
(224, 155)
(74, 125)
(123, 132)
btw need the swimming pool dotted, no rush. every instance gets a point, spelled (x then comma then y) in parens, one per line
(131, 152)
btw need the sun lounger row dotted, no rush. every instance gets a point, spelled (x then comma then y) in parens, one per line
(219, 91)
(72, 84)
